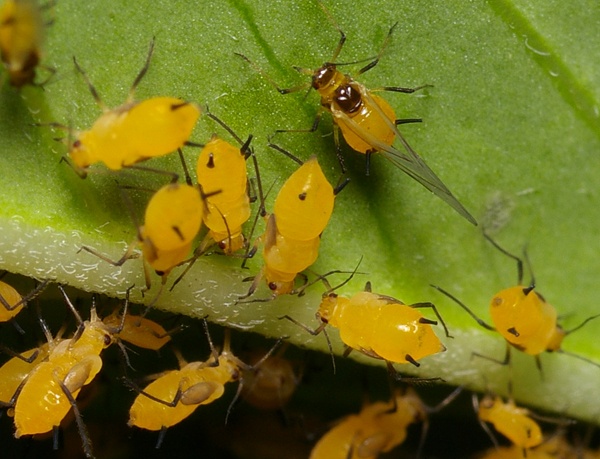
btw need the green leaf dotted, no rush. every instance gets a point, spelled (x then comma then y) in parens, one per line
(511, 126)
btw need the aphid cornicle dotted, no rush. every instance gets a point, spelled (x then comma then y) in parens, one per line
(21, 36)
(380, 326)
(367, 122)
(135, 131)
(523, 317)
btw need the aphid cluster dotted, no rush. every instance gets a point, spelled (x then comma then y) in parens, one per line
(185, 220)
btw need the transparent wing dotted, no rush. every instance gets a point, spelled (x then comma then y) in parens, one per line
(410, 162)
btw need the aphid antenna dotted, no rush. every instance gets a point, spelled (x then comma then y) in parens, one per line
(342, 39)
(213, 350)
(70, 305)
(270, 80)
(142, 72)
(568, 332)
(331, 289)
(90, 86)
(462, 305)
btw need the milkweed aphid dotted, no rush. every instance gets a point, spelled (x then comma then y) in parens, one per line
(514, 422)
(367, 122)
(21, 36)
(135, 131)
(378, 428)
(138, 330)
(51, 388)
(176, 394)
(11, 301)
(222, 166)
(269, 386)
(524, 318)
(380, 326)
(172, 220)
(291, 240)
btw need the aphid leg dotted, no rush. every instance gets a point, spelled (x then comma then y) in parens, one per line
(12, 353)
(246, 367)
(83, 433)
(128, 255)
(82, 173)
(174, 176)
(437, 314)
(462, 305)
(338, 150)
(484, 426)
(51, 72)
(285, 152)
(395, 376)
(505, 361)
(30, 296)
(161, 437)
(142, 72)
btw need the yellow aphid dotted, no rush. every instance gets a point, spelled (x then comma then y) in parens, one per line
(21, 36)
(52, 386)
(138, 330)
(135, 131)
(291, 241)
(377, 429)
(524, 318)
(511, 421)
(221, 166)
(382, 327)
(172, 220)
(176, 394)
(270, 385)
